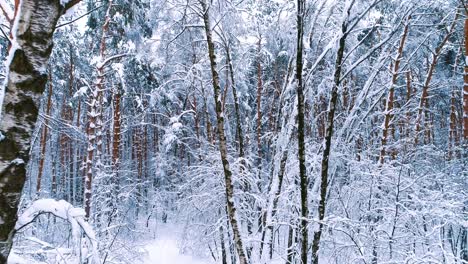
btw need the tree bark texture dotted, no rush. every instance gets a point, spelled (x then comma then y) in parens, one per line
(300, 131)
(27, 77)
(231, 209)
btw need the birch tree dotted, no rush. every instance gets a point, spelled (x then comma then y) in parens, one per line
(31, 45)
(231, 208)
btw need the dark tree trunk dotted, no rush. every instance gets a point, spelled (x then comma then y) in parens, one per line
(300, 132)
(328, 139)
(239, 131)
(223, 246)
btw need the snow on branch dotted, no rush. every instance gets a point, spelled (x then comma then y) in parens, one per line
(64, 210)
(108, 60)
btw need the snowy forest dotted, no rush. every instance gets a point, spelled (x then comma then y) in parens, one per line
(234, 131)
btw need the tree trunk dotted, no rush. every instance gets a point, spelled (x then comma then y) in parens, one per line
(389, 105)
(240, 134)
(116, 135)
(408, 98)
(453, 137)
(300, 132)
(276, 183)
(231, 209)
(44, 135)
(275, 192)
(290, 252)
(430, 73)
(90, 132)
(259, 102)
(465, 86)
(328, 139)
(94, 132)
(223, 246)
(64, 143)
(31, 49)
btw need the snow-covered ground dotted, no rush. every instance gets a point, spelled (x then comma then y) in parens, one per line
(166, 251)
(166, 247)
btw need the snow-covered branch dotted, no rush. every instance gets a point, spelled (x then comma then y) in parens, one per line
(64, 210)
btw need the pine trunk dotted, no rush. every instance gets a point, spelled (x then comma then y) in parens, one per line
(425, 89)
(389, 105)
(94, 131)
(116, 136)
(44, 136)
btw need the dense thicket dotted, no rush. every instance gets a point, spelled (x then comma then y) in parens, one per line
(186, 112)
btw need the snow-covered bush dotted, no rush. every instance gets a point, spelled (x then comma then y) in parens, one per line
(79, 249)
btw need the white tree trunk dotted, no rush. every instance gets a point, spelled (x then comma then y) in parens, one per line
(32, 32)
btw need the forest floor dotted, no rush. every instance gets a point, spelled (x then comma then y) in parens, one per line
(166, 249)
(171, 245)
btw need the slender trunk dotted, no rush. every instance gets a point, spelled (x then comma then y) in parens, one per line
(78, 160)
(231, 209)
(290, 249)
(464, 235)
(328, 139)
(408, 98)
(276, 183)
(389, 105)
(155, 135)
(453, 127)
(300, 132)
(430, 73)
(138, 158)
(259, 102)
(240, 134)
(225, 91)
(207, 114)
(223, 246)
(64, 139)
(71, 84)
(197, 126)
(465, 86)
(63, 143)
(276, 191)
(44, 135)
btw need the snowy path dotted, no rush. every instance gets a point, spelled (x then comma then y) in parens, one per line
(166, 251)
